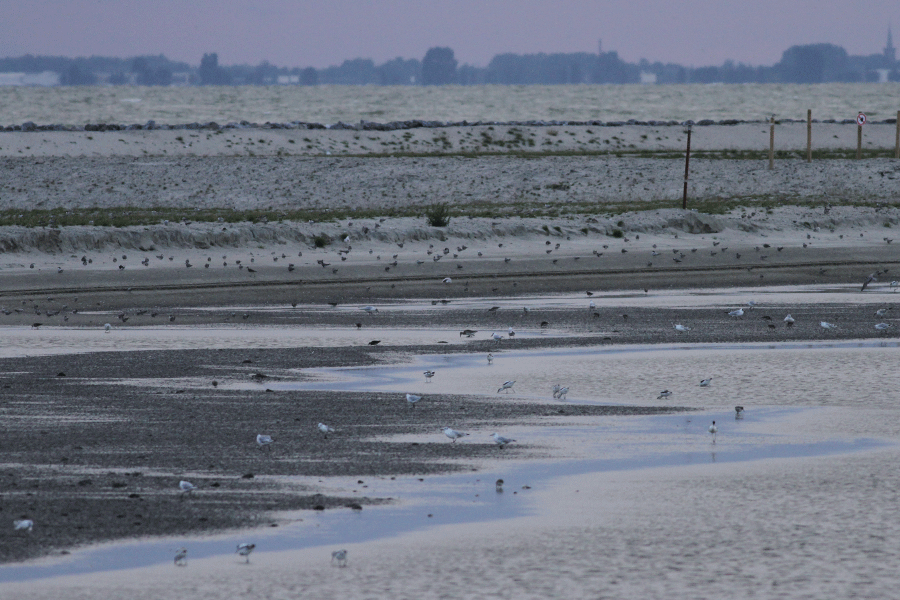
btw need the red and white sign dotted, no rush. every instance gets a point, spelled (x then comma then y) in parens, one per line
(860, 119)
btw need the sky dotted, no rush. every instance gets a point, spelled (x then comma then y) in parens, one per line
(322, 33)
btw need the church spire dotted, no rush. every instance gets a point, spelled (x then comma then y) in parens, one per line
(890, 53)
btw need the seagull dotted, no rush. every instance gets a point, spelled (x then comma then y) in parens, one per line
(245, 550)
(713, 429)
(186, 486)
(737, 313)
(490, 358)
(752, 304)
(882, 311)
(23, 525)
(705, 382)
(789, 321)
(325, 429)
(592, 305)
(664, 394)
(556, 389)
(264, 440)
(181, 557)
(340, 556)
(500, 440)
(107, 327)
(498, 485)
(511, 332)
(562, 393)
(428, 376)
(412, 399)
(468, 332)
(827, 325)
(882, 326)
(370, 309)
(680, 327)
(497, 337)
(507, 385)
(453, 434)
(738, 412)
(872, 277)
(446, 280)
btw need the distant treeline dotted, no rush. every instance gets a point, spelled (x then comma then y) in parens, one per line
(815, 63)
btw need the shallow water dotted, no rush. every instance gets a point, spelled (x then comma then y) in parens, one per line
(811, 399)
(351, 104)
(624, 444)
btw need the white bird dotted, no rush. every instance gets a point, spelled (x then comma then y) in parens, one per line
(500, 440)
(713, 429)
(107, 327)
(556, 389)
(23, 524)
(339, 556)
(446, 280)
(562, 393)
(490, 358)
(680, 327)
(497, 336)
(453, 434)
(264, 440)
(882, 311)
(325, 429)
(592, 305)
(511, 332)
(737, 313)
(827, 325)
(370, 309)
(789, 321)
(181, 557)
(882, 326)
(507, 385)
(428, 376)
(412, 399)
(752, 304)
(664, 394)
(705, 382)
(186, 486)
(245, 549)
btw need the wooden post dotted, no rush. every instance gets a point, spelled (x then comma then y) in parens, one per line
(897, 141)
(858, 142)
(687, 162)
(772, 143)
(809, 135)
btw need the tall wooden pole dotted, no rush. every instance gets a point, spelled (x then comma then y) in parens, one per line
(772, 143)
(858, 142)
(809, 135)
(687, 162)
(897, 141)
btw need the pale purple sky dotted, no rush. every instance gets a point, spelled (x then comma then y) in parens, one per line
(320, 33)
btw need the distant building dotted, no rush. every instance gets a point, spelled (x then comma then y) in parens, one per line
(46, 78)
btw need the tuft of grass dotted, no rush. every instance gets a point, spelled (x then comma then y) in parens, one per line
(438, 215)
(617, 233)
(320, 240)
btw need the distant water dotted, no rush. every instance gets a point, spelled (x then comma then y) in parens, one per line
(350, 104)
